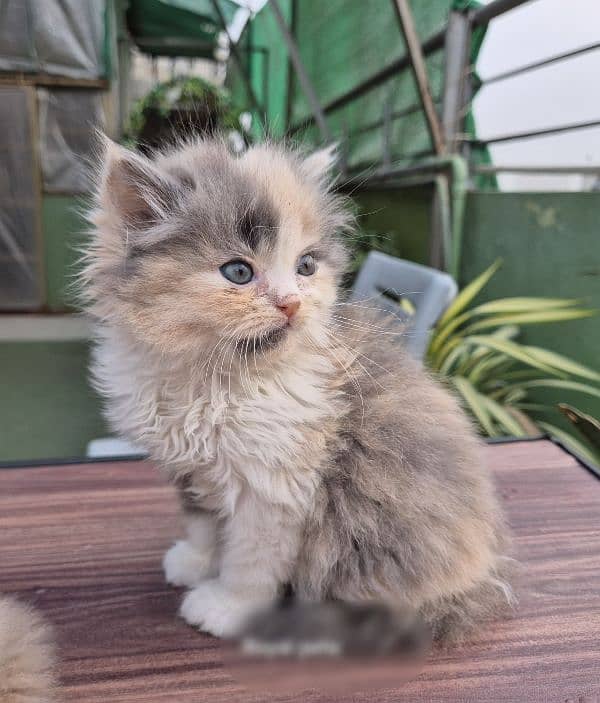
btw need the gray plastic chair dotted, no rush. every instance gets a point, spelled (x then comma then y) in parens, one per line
(383, 281)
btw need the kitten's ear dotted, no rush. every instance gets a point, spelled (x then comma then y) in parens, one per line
(319, 164)
(139, 192)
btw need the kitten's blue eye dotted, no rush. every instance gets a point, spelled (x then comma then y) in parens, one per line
(237, 271)
(307, 265)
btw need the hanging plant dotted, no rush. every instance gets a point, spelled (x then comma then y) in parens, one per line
(184, 107)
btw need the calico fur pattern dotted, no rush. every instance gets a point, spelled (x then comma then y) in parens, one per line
(330, 460)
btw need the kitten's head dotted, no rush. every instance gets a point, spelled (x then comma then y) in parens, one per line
(198, 248)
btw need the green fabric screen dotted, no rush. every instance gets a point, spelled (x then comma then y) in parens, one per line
(177, 27)
(342, 44)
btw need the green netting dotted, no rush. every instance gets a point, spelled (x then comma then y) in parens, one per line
(343, 44)
(177, 27)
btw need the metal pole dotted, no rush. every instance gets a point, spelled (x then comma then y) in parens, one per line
(440, 246)
(305, 81)
(535, 133)
(498, 7)
(456, 88)
(417, 62)
(240, 64)
(540, 170)
(456, 75)
(540, 64)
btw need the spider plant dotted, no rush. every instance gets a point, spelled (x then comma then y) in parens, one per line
(476, 349)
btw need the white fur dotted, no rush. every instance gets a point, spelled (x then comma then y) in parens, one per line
(188, 562)
(217, 610)
(248, 442)
(236, 434)
(321, 162)
(185, 566)
(244, 446)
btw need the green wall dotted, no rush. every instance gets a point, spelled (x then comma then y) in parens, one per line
(397, 222)
(550, 244)
(48, 409)
(63, 227)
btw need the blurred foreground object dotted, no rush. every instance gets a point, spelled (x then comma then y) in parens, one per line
(334, 647)
(26, 655)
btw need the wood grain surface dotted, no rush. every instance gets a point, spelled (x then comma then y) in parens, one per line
(84, 544)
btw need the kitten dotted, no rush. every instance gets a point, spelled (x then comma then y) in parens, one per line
(307, 447)
(26, 655)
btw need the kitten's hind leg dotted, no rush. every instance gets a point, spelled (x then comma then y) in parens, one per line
(191, 561)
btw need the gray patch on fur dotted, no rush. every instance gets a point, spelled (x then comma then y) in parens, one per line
(258, 224)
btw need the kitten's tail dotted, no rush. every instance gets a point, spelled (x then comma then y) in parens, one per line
(26, 655)
(298, 630)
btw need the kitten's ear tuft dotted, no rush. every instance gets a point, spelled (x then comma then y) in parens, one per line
(139, 192)
(319, 164)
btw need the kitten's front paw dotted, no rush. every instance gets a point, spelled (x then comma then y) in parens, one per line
(185, 566)
(216, 610)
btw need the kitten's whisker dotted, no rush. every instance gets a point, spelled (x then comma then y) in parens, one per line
(222, 356)
(346, 370)
(367, 172)
(212, 353)
(381, 312)
(364, 325)
(215, 376)
(245, 359)
(235, 342)
(219, 342)
(364, 356)
(319, 348)
(244, 363)
(356, 359)
(259, 376)
(345, 328)
(354, 324)
(377, 296)
(373, 332)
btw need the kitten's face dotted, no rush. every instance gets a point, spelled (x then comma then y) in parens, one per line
(202, 253)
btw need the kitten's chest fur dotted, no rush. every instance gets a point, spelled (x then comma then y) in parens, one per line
(264, 434)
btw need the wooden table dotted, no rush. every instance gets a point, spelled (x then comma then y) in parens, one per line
(84, 544)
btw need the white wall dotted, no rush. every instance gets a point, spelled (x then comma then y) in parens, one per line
(561, 93)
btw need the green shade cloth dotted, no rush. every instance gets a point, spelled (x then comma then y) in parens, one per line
(342, 44)
(177, 27)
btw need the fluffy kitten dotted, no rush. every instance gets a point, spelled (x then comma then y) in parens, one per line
(26, 655)
(308, 448)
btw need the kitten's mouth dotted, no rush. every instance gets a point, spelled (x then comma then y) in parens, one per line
(264, 342)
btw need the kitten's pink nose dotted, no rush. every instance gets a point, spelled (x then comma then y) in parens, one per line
(289, 306)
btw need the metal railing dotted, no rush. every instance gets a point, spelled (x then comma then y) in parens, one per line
(448, 165)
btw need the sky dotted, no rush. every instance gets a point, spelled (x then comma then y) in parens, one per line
(562, 93)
